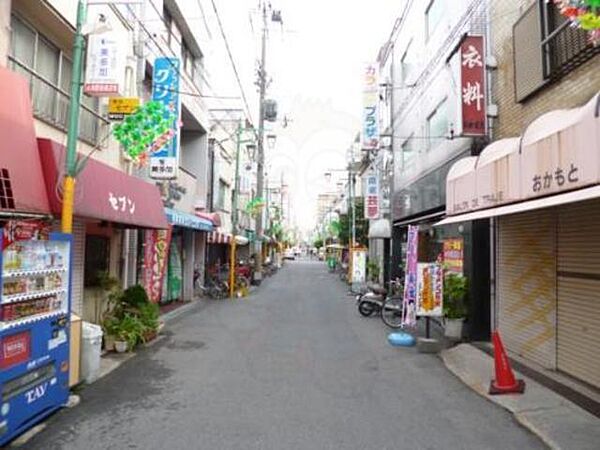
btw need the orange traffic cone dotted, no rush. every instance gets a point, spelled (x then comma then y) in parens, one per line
(505, 382)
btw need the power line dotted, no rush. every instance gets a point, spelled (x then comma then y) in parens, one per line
(235, 71)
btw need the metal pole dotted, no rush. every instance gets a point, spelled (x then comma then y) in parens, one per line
(234, 217)
(353, 211)
(73, 127)
(260, 146)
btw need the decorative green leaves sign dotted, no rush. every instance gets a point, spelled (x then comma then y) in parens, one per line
(145, 131)
(254, 206)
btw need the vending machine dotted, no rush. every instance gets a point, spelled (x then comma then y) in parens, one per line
(34, 324)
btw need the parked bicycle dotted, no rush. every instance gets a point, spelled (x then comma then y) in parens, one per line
(388, 304)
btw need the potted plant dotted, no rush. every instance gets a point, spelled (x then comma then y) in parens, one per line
(129, 333)
(373, 271)
(455, 304)
(148, 315)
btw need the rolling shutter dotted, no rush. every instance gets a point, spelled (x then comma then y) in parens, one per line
(578, 321)
(78, 266)
(526, 266)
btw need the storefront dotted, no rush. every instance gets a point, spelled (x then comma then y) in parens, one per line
(465, 245)
(543, 189)
(107, 202)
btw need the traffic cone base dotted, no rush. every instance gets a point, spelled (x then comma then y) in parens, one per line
(505, 382)
(517, 388)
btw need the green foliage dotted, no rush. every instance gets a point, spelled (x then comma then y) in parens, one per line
(456, 288)
(148, 314)
(318, 243)
(373, 271)
(361, 225)
(135, 296)
(131, 330)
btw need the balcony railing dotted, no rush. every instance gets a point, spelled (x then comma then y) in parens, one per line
(564, 49)
(51, 105)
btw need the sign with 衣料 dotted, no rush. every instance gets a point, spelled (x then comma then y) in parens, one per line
(472, 86)
(372, 206)
(164, 161)
(119, 107)
(105, 64)
(430, 288)
(370, 111)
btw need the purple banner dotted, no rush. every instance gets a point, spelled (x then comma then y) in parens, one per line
(410, 282)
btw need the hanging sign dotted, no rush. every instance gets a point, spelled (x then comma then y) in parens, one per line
(430, 281)
(472, 85)
(453, 255)
(119, 107)
(156, 251)
(372, 209)
(410, 277)
(105, 65)
(370, 112)
(164, 161)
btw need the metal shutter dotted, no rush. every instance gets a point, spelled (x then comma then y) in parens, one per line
(526, 300)
(78, 266)
(578, 324)
(527, 44)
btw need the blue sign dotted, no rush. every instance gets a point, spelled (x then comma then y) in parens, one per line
(185, 220)
(164, 162)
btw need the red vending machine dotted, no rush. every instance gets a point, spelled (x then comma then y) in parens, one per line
(34, 324)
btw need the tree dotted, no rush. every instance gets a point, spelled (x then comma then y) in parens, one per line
(361, 225)
(318, 243)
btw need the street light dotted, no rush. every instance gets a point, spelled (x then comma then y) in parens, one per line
(271, 138)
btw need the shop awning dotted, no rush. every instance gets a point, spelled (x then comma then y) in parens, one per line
(103, 193)
(214, 217)
(22, 188)
(217, 237)
(380, 229)
(546, 202)
(185, 220)
(241, 240)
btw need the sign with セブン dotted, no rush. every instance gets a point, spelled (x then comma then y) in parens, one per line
(164, 162)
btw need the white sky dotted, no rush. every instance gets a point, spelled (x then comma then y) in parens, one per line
(315, 63)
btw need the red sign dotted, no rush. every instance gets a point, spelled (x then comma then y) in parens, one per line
(156, 251)
(472, 86)
(15, 349)
(21, 230)
(453, 255)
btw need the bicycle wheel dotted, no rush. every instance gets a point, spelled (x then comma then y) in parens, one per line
(391, 312)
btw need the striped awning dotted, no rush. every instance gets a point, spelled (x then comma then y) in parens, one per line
(217, 237)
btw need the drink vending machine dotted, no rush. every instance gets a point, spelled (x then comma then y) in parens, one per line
(35, 302)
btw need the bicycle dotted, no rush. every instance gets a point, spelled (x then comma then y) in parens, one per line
(392, 307)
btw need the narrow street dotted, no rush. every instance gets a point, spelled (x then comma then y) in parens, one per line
(293, 366)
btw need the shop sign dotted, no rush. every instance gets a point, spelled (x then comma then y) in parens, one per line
(359, 266)
(410, 280)
(121, 203)
(156, 251)
(372, 207)
(430, 286)
(472, 81)
(370, 112)
(164, 161)
(119, 107)
(453, 255)
(105, 65)
(24, 230)
(15, 349)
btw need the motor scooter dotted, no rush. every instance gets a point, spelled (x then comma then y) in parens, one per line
(371, 301)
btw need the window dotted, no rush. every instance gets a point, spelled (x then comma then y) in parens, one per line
(406, 63)
(408, 153)
(437, 125)
(433, 16)
(96, 259)
(222, 195)
(188, 59)
(168, 25)
(49, 73)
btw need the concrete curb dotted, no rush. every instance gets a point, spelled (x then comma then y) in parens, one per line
(558, 422)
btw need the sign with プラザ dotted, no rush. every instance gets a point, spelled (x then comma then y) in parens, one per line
(164, 162)
(105, 65)
(370, 112)
(430, 282)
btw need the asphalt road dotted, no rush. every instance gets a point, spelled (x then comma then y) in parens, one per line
(293, 366)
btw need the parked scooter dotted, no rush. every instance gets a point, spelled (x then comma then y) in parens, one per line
(371, 301)
(388, 305)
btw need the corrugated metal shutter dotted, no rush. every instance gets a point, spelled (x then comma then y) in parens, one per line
(78, 266)
(578, 321)
(527, 43)
(526, 301)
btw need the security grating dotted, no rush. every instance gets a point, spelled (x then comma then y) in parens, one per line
(7, 200)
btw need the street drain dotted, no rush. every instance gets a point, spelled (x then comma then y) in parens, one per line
(185, 345)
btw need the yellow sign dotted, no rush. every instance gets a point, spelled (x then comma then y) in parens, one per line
(118, 107)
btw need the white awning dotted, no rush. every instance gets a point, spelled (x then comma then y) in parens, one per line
(380, 229)
(545, 202)
(241, 240)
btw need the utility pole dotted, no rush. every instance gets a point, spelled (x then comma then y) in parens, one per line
(260, 144)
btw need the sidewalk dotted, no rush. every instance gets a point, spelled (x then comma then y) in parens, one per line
(558, 422)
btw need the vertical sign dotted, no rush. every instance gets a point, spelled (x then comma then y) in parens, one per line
(410, 278)
(359, 266)
(472, 86)
(164, 162)
(370, 114)
(430, 279)
(372, 197)
(105, 65)
(453, 255)
(156, 250)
